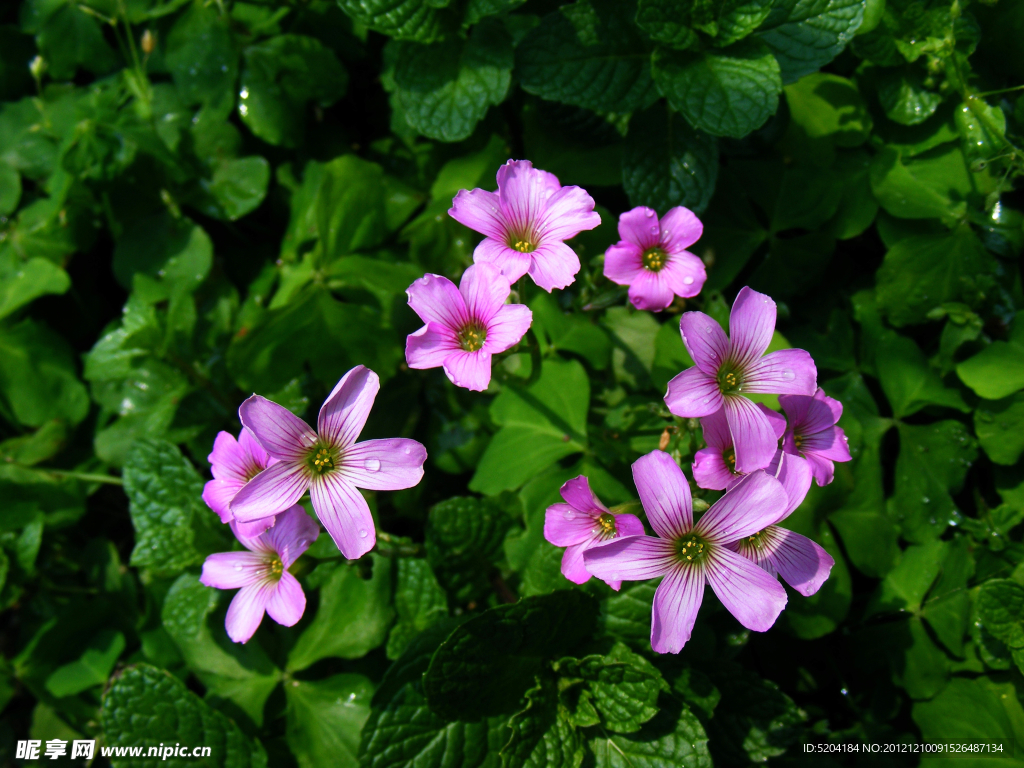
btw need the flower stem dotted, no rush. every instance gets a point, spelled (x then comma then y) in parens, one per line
(85, 477)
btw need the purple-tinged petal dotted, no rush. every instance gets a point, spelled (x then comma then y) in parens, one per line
(569, 211)
(578, 495)
(828, 444)
(640, 227)
(650, 292)
(344, 513)
(803, 563)
(573, 567)
(231, 570)
(823, 469)
(711, 471)
(252, 530)
(292, 534)
(630, 558)
(273, 490)
(524, 192)
(795, 476)
(751, 325)
(470, 370)
(753, 435)
(436, 300)
(811, 414)
(511, 262)
(484, 289)
(284, 435)
(390, 464)
(430, 346)
(705, 341)
(776, 419)
(755, 502)
(254, 452)
(685, 274)
(786, 372)
(664, 493)
(716, 431)
(228, 460)
(507, 327)
(623, 263)
(749, 593)
(287, 602)
(218, 495)
(676, 603)
(246, 611)
(565, 526)
(344, 412)
(479, 210)
(628, 525)
(545, 180)
(680, 228)
(693, 394)
(554, 265)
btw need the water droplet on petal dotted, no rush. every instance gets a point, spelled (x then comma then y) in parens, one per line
(707, 329)
(687, 281)
(238, 568)
(407, 451)
(648, 212)
(570, 515)
(787, 375)
(372, 465)
(363, 533)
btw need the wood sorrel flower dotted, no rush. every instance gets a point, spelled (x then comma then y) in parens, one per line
(526, 222)
(813, 434)
(234, 463)
(715, 466)
(465, 326)
(688, 555)
(261, 574)
(583, 522)
(651, 258)
(730, 367)
(329, 463)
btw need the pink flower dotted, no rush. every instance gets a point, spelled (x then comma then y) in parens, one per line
(813, 433)
(261, 574)
(582, 523)
(526, 222)
(465, 326)
(715, 466)
(689, 555)
(729, 367)
(651, 258)
(235, 463)
(329, 463)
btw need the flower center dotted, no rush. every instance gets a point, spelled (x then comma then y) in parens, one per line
(692, 549)
(276, 568)
(606, 522)
(524, 246)
(729, 457)
(472, 336)
(729, 381)
(654, 259)
(321, 459)
(754, 542)
(798, 441)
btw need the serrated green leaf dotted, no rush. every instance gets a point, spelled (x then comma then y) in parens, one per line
(665, 21)
(542, 734)
(674, 737)
(417, 20)
(627, 613)
(463, 540)
(419, 602)
(325, 718)
(805, 35)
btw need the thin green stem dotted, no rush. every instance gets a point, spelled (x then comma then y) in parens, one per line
(85, 477)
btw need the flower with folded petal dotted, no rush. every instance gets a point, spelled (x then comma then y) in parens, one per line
(234, 463)
(730, 367)
(329, 463)
(583, 522)
(465, 326)
(651, 258)
(261, 574)
(689, 555)
(813, 434)
(715, 465)
(526, 222)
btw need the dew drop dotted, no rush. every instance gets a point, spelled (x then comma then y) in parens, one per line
(648, 212)
(407, 451)
(787, 375)
(238, 568)
(654, 230)
(687, 281)
(372, 465)
(363, 533)
(570, 515)
(707, 329)
(925, 500)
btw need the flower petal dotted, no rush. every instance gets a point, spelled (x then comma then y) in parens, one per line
(711, 471)
(715, 428)
(754, 503)
(436, 300)
(685, 274)
(751, 325)
(344, 513)
(273, 490)
(579, 496)
(344, 412)
(693, 394)
(823, 469)
(254, 529)
(573, 567)
(795, 476)
(218, 495)
(630, 558)
(808, 415)
(292, 534)
(227, 459)
(479, 210)
(785, 372)
(568, 212)
(511, 262)
(753, 435)
(565, 526)
(664, 493)
(246, 612)
(484, 290)
(705, 341)
(470, 370)
(284, 435)
(628, 525)
(776, 419)
(507, 327)
(803, 563)
(650, 291)
(752, 595)
(391, 464)
(676, 604)
(231, 570)
(640, 227)
(287, 602)
(255, 453)
(554, 265)
(828, 444)
(622, 262)
(430, 346)
(680, 228)
(524, 191)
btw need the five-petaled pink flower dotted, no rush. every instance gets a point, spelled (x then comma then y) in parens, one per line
(730, 367)
(329, 463)
(234, 463)
(465, 326)
(583, 522)
(526, 222)
(261, 574)
(651, 258)
(813, 434)
(688, 555)
(715, 465)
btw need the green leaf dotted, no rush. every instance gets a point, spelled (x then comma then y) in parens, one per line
(419, 602)
(634, 336)
(21, 282)
(362, 607)
(805, 35)
(444, 90)
(351, 210)
(237, 187)
(908, 381)
(280, 76)
(674, 737)
(10, 189)
(174, 251)
(904, 587)
(1000, 428)
(542, 734)
(557, 330)
(146, 706)
(982, 129)
(667, 163)
(665, 21)
(903, 96)
(821, 613)
(948, 606)
(934, 185)
(325, 718)
(824, 105)
(418, 20)
(972, 710)
(91, 669)
(998, 370)
(487, 664)
(202, 58)
(604, 67)
(627, 613)
(463, 539)
(72, 38)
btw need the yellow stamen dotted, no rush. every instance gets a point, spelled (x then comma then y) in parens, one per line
(654, 259)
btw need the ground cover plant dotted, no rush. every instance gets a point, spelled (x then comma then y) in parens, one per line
(479, 383)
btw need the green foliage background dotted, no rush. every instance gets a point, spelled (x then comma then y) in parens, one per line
(199, 200)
